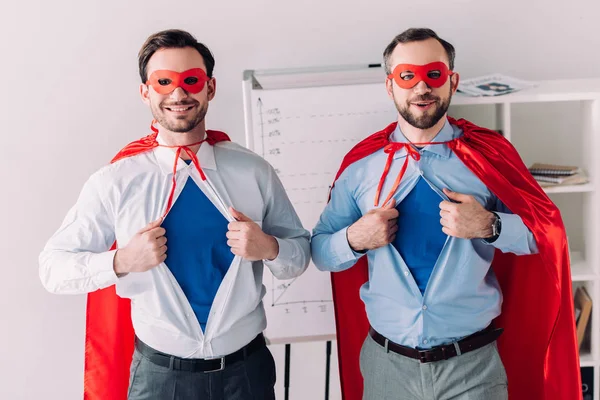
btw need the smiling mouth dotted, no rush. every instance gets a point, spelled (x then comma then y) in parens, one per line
(182, 108)
(423, 104)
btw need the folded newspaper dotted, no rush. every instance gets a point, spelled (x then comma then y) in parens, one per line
(492, 85)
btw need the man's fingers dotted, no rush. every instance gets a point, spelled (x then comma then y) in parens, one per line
(237, 226)
(390, 214)
(453, 233)
(233, 235)
(447, 206)
(448, 231)
(238, 215)
(151, 225)
(234, 226)
(156, 232)
(448, 222)
(390, 204)
(458, 197)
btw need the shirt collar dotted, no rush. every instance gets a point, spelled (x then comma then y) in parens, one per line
(447, 133)
(166, 157)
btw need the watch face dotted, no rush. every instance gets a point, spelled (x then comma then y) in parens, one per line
(497, 226)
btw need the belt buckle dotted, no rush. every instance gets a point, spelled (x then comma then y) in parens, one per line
(431, 355)
(221, 368)
(423, 356)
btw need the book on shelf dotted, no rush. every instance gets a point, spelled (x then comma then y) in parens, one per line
(583, 310)
(551, 174)
(553, 170)
(577, 179)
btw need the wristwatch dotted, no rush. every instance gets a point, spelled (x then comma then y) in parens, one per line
(496, 228)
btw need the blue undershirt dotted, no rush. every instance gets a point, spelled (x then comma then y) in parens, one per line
(420, 238)
(197, 251)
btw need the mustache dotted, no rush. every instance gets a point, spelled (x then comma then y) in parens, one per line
(425, 97)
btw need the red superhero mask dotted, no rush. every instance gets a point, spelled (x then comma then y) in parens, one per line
(434, 74)
(164, 81)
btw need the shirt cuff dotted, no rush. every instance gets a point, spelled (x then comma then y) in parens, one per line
(510, 231)
(285, 256)
(102, 269)
(341, 248)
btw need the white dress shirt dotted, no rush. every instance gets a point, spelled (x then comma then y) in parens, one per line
(121, 198)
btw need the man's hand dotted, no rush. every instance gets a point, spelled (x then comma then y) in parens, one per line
(375, 229)
(248, 241)
(466, 219)
(145, 250)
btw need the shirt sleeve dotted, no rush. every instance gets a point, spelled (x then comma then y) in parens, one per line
(514, 236)
(330, 248)
(76, 259)
(282, 222)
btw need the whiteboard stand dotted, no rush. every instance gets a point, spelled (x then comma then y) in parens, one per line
(286, 379)
(327, 369)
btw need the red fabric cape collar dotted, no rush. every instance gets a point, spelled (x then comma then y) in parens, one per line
(149, 142)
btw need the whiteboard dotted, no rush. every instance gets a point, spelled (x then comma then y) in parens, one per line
(304, 132)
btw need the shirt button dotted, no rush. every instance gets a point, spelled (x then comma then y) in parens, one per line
(424, 308)
(425, 341)
(406, 273)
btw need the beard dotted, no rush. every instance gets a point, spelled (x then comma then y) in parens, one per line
(179, 123)
(429, 118)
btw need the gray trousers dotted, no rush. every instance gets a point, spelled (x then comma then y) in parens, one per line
(476, 375)
(250, 379)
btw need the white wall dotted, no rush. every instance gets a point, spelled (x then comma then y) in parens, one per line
(69, 100)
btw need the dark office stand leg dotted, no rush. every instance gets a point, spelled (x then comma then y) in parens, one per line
(286, 379)
(327, 368)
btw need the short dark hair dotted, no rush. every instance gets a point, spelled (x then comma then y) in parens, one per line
(170, 39)
(417, 35)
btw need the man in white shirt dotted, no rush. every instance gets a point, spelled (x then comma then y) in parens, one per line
(196, 307)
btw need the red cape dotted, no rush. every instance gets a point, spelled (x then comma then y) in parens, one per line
(539, 346)
(109, 335)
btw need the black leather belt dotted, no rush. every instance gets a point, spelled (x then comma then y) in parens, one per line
(199, 364)
(443, 352)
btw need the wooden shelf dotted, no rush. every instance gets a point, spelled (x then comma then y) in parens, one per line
(586, 360)
(585, 188)
(580, 269)
(556, 90)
